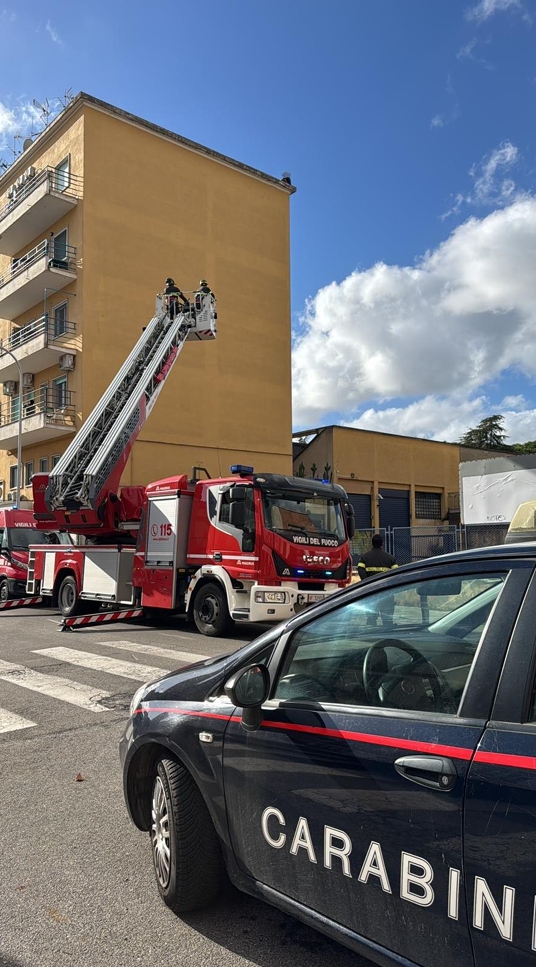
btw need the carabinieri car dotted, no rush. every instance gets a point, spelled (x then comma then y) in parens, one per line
(368, 767)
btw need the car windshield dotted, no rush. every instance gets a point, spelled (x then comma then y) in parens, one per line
(20, 538)
(303, 518)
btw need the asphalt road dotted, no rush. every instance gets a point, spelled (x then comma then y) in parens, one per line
(77, 881)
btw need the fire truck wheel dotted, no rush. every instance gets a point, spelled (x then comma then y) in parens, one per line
(186, 852)
(4, 590)
(68, 600)
(210, 611)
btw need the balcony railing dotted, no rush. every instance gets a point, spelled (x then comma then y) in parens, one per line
(62, 182)
(52, 330)
(56, 404)
(59, 256)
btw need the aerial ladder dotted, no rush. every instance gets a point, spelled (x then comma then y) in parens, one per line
(81, 492)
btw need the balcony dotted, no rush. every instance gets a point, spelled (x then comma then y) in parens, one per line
(40, 202)
(37, 346)
(51, 264)
(46, 414)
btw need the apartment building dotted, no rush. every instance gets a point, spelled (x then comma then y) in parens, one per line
(94, 215)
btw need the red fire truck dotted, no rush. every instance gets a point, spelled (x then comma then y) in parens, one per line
(251, 547)
(18, 529)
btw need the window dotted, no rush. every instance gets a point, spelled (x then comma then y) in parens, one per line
(410, 647)
(218, 510)
(13, 477)
(61, 179)
(294, 514)
(58, 251)
(427, 505)
(29, 472)
(55, 459)
(60, 319)
(43, 465)
(60, 392)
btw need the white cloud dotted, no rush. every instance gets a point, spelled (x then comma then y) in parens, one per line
(448, 418)
(453, 113)
(468, 52)
(490, 187)
(487, 8)
(54, 36)
(442, 328)
(19, 119)
(492, 184)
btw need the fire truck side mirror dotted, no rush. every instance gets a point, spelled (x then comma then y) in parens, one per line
(237, 509)
(350, 520)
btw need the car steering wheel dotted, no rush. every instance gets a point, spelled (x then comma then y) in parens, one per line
(395, 689)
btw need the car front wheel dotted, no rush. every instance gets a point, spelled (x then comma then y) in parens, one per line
(186, 852)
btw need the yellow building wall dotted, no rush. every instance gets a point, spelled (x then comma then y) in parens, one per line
(153, 208)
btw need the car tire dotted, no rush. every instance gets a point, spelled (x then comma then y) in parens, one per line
(68, 601)
(210, 611)
(4, 590)
(186, 852)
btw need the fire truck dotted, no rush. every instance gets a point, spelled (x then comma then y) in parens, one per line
(18, 529)
(250, 547)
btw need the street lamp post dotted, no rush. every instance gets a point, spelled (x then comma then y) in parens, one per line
(7, 352)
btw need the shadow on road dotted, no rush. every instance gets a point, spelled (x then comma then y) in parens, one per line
(10, 961)
(264, 936)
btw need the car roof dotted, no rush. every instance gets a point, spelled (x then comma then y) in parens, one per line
(521, 550)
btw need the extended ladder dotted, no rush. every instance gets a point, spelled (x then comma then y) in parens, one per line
(104, 442)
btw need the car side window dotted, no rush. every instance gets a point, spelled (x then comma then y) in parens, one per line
(408, 647)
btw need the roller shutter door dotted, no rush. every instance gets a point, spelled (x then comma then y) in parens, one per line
(394, 508)
(362, 510)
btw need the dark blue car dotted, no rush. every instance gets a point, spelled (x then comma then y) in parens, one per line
(368, 767)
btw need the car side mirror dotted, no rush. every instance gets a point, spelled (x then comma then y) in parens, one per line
(249, 688)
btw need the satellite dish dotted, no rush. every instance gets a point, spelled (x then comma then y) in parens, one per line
(27, 143)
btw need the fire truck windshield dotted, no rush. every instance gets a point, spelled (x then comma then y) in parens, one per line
(294, 514)
(20, 538)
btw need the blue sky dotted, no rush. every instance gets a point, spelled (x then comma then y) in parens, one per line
(408, 128)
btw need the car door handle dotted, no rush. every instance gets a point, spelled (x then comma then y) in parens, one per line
(433, 771)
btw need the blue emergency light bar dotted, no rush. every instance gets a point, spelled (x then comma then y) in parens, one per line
(240, 468)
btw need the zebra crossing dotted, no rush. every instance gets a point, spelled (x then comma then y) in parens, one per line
(52, 685)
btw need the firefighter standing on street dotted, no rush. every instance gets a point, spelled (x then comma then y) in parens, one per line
(376, 561)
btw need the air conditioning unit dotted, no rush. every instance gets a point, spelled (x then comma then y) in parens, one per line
(2, 487)
(27, 380)
(66, 362)
(12, 495)
(11, 387)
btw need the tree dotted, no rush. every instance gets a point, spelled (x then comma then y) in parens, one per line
(528, 447)
(314, 468)
(301, 470)
(488, 435)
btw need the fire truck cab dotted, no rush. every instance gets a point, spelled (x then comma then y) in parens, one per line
(18, 530)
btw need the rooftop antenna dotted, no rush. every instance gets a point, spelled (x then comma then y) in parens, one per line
(45, 111)
(66, 97)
